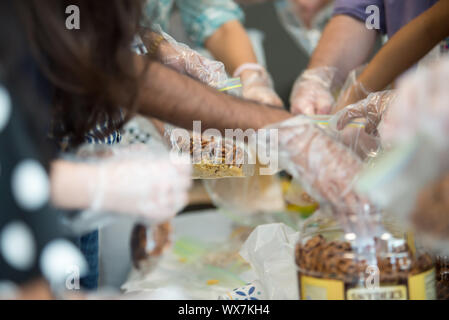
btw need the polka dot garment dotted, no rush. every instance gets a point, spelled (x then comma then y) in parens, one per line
(32, 243)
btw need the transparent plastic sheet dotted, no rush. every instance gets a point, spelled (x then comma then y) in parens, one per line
(269, 250)
(247, 196)
(350, 85)
(307, 39)
(212, 155)
(327, 169)
(354, 136)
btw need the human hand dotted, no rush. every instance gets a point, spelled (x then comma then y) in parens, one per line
(185, 60)
(326, 168)
(140, 184)
(371, 109)
(311, 92)
(257, 84)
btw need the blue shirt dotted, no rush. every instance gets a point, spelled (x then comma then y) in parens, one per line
(394, 14)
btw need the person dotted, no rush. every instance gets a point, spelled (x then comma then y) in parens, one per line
(410, 179)
(32, 182)
(345, 45)
(216, 26)
(426, 31)
(105, 71)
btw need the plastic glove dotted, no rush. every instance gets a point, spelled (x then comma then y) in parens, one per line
(311, 92)
(325, 167)
(257, 84)
(352, 90)
(136, 182)
(371, 109)
(185, 60)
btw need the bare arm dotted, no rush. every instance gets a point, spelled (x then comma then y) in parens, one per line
(179, 100)
(346, 43)
(423, 33)
(231, 45)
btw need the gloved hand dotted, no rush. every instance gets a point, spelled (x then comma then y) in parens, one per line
(138, 183)
(352, 90)
(257, 84)
(325, 167)
(185, 60)
(371, 109)
(312, 92)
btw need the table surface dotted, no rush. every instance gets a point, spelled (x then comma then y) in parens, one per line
(207, 227)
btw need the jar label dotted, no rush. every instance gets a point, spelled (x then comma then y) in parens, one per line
(321, 289)
(419, 287)
(422, 286)
(380, 293)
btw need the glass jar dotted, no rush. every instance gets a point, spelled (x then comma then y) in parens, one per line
(336, 265)
(442, 270)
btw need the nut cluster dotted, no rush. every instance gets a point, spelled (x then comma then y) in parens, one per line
(219, 152)
(442, 270)
(337, 260)
(431, 213)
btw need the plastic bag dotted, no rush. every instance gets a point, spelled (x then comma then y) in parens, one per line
(327, 169)
(270, 251)
(247, 196)
(212, 155)
(366, 146)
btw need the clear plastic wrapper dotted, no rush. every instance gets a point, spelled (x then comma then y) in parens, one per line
(269, 250)
(232, 86)
(326, 168)
(251, 195)
(354, 135)
(351, 91)
(212, 156)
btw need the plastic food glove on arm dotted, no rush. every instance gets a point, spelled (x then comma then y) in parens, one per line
(183, 59)
(257, 84)
(312, 92)
(370, 109)
(130, 181)
(325, 167)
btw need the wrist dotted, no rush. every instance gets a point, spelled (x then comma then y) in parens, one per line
(72, 184)
(248, 68)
